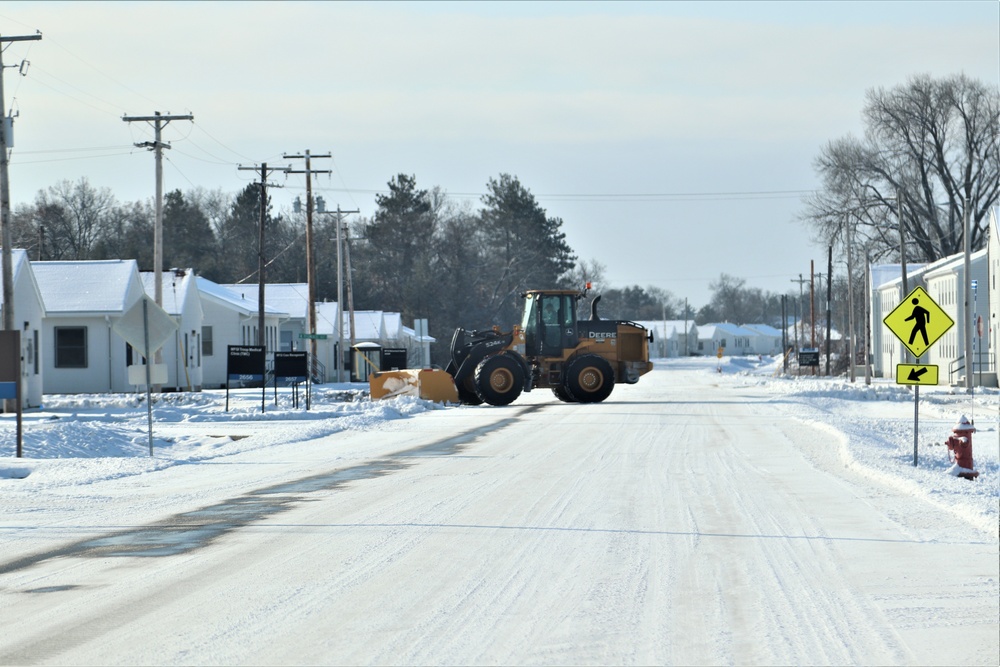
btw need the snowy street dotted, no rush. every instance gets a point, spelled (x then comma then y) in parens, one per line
(694, 518)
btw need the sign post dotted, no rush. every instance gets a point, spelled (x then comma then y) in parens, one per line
(146, 326)
(918, 322)
(10, 376)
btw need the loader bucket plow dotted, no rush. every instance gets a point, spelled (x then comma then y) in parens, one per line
(428, 384)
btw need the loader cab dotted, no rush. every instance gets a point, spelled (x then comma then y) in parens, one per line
(549, 323)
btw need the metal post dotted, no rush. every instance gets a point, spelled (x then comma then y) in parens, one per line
(850, 299)
(149, 391)
(340, 305)
(967, 291)
(829, 293)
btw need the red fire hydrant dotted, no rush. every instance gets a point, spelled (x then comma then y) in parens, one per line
(960, 444)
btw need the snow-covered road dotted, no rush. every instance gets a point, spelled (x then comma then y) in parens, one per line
(690, 519)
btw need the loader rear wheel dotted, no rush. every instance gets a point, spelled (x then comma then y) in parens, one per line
(590, 378)
(499, 380)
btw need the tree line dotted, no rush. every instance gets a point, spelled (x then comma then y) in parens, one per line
(930, 155)
(421, 253)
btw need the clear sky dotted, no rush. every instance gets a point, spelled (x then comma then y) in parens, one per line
(674, 139)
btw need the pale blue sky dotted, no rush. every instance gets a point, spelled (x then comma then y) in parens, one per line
(671, 100)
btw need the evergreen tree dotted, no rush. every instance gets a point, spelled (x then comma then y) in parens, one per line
(397, 263)
(525, 248)
(188, 241)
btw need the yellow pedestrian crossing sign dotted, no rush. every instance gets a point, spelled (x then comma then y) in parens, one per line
(918, 322)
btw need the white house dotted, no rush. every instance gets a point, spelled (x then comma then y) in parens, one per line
(289, 298)
(231, 319)
(765, 339)
(29, 313)
(326, 350)
(672, 338)
(993, 251)
(182, 355)
(732, 339)
(945, 281)
(83, 300)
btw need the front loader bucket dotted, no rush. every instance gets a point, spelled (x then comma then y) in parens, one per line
(428, 384)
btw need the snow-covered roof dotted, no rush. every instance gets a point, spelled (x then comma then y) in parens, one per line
(174, 284)
(247, 306)
(953, 262)
(710, 330)
(666, 328)
(763, 329)
(290, 298)
(326, 317)
(914, 273)
(367, 324)
(18, 260)
(85, 286)
(393, 323)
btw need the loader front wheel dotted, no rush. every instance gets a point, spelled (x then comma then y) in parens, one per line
(590, 378)
(467, 392)
(499, 380)
(563, 395)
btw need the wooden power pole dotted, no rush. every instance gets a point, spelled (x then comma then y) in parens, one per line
(159, 122)
(261, 263)
(5, 235)
(310, 260)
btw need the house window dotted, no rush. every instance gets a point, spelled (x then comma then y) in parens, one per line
(71, 347)
(206, 341)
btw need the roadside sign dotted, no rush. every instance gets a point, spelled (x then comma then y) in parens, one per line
(311, 336)
(808, 356)
(918, 322)
(922, 374)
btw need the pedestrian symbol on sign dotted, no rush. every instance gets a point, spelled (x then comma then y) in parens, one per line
(920, 316)
(918, 322)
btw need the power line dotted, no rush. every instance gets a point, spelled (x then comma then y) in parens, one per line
(622, 196)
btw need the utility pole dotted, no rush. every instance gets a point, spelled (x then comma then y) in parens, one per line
(261, 264)
(310, 261)
(340, 297)
(798, 308)
(829, 295)
(159, 122)
(5, 236)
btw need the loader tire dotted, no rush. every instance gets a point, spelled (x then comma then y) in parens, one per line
(499, 380)
(563, 394)
(589, 378)
(467, 392)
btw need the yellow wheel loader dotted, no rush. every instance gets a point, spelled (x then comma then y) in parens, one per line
(579, 360)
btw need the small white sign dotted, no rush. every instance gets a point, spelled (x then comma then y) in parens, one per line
(137, 374)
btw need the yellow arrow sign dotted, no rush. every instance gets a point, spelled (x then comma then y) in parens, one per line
(918, 322)
(916, 374)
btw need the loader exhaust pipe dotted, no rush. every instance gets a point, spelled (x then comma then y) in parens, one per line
(593, 309)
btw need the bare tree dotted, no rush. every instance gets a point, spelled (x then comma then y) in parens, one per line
(930, 146)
